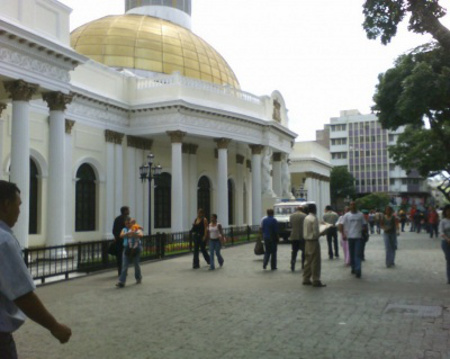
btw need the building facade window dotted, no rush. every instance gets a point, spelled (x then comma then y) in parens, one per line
(204, 196)
(163, 201)
(85, 199)
(34, 191)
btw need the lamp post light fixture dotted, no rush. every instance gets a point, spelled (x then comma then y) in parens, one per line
(149, 172)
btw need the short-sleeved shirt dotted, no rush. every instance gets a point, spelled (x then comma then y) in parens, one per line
(15, 280)
(444, 227)
(330, 217)
(353, 224)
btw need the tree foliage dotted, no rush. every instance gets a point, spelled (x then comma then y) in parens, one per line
(415, 93)
(341, 184)
(382, 18)
(373, 201)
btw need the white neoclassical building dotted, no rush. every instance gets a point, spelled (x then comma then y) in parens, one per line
(80, 112)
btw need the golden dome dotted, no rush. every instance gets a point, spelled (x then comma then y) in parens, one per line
(148, 43)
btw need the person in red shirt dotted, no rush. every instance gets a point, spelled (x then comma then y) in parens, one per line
(433, 221)
(412, 213)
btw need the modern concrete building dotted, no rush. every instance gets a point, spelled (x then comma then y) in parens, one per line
(359, 142)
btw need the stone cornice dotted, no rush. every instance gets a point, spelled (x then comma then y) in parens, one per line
(139, 143)
(314, 175)
(113, 137)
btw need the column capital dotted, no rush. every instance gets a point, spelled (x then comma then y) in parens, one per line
(240, 159)
(57, 101)
(2, 107)
(185, 148)
(222, 143)
(69, 126)
(176, 136)
(276, 156)
(20, 90)
(113, 137)
(193, 149)
(256, 149)
(249, 165)
(139, 143)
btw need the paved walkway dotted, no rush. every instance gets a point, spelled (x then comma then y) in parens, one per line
(242, 311)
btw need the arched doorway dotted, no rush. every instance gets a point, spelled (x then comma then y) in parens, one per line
(163, 201)
(204, 195)
(85, 199)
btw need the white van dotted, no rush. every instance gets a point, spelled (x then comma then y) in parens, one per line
(282, 212)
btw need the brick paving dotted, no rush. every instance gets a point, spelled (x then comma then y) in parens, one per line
(242, 311)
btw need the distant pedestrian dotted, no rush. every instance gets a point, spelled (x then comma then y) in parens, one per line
(372, 221)
(331, 218)
(132, 249)
(354, 224)
(402, 218)
(119, 224)
(444, 230)
(297, 220)
(311, 232)
(391, 230)
(378, 216)
(433, 222)
(344, 239)
(199, 233)
(18, 299)
(215, 235)
(269, 229)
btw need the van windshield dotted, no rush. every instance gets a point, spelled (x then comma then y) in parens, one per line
(284, 210)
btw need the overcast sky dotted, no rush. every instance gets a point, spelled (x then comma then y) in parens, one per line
(315, 53)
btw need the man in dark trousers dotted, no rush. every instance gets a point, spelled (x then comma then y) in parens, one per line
(297, 240)
(269, 228)
(18, 299)
(119, 224)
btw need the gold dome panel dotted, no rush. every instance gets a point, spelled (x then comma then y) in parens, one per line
(148, 43)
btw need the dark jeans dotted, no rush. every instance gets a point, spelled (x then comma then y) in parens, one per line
(119, 245)
(433, 229)
(296, 246)
(7, 346)
(332, 239)
(199, 245)
(355, 246)
(271, 247)
(446, 248)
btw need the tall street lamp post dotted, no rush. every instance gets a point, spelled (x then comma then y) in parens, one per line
(148, 172)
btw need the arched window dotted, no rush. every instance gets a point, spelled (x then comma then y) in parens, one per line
(230, 202)
(85, 202)
(204, 195)
(163, 201)
(34, 186)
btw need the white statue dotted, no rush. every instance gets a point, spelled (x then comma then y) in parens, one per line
(266, 177)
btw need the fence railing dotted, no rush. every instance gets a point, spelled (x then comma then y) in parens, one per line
(86, 257)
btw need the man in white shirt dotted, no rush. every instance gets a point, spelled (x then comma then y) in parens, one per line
(311, 233)
(17, 297)
(353, 224)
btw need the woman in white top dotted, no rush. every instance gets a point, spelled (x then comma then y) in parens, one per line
(444, 230)
(215, 234)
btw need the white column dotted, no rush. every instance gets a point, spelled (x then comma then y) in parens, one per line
(193, 181)
(177, 181)
(276, 168)
(186, 185)
(132, 173)
(109, 212)
(118, 177)
(256, 184)
(56, 194)
(2, 107)
(240, 190)
(309, 188)
(222, 178)
(21, 93)
(69, 187)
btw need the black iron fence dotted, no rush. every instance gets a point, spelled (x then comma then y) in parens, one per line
(86, 257)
